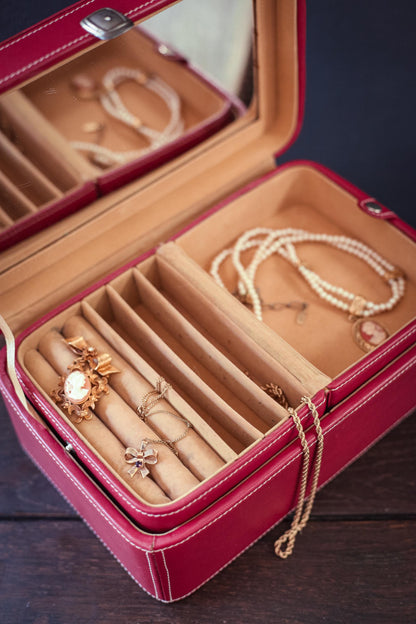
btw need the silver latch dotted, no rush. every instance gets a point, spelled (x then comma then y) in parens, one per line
(374, 207)
(106, 24)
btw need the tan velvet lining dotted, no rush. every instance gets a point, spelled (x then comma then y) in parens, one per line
(201, 453)
(23, 174)
(133, 50)
(303, 198)
(34, 136)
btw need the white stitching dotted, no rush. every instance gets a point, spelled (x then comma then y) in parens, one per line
(36, 30)
(331, 478)
(141, 7)
(347, 415)
(152, 575)
(77, 485)
(409, 365)
(381, 355)
(167, 574)
(45, 407)
(46, 56)
(49, 478)
(136, 546)
(42, 58)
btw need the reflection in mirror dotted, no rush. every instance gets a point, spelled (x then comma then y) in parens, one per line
(124, 107)
(216, 37)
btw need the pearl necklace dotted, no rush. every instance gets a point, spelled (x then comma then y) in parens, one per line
(283, 242)
(115, 107)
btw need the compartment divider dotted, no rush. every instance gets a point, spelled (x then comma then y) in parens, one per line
(25, 174)
(5, 219)
(42, 144)
(183, 376)
(189, 284)
(195, 452)
(14, 201)
(214, 360)
(134, 360)
(175, 345)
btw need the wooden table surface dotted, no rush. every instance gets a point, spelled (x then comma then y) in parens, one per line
(355, 562)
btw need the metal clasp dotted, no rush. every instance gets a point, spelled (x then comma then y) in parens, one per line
(106, 24)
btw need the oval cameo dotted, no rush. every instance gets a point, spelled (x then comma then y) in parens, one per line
(77, 387)
(369, 334)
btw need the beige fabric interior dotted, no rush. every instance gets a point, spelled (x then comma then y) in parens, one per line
(148, 210)
(115, 423)
(40, 120)
(22, 173)
(167, 317)
(39, 143)
(303, 198)
(67, 113)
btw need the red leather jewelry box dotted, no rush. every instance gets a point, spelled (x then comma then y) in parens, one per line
(130, 273)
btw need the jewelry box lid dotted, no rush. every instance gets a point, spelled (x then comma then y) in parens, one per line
(73, 30)
(278, 52)
(201, 176)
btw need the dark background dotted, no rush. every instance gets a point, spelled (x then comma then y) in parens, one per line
(360, 98)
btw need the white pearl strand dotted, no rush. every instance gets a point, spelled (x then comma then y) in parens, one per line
(113, 104)
(283, 242)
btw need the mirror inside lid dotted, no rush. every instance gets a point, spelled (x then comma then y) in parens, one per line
(121, 108)
(192, 86)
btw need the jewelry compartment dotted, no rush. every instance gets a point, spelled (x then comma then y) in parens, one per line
(102, 119)
(303, 197)
(166, 318)
(127, 66)
(148, 338)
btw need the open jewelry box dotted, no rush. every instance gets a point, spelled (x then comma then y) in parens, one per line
(129, 277)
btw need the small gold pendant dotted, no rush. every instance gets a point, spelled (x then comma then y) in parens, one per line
(369, 334)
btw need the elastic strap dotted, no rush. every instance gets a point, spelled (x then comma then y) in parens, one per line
(11, 361)
(11, 369)
(284, 546)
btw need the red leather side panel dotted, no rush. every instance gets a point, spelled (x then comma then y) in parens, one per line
(225, 530)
